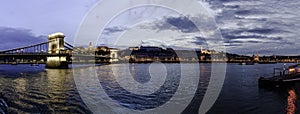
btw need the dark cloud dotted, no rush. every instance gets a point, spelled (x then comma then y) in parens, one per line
(261, 30)
(200, 41)
(181, 23)
(114, 29)
(257, 23)
(263, 36)
(233, 6)
(18, 37)
(252, 12)
(244, 24)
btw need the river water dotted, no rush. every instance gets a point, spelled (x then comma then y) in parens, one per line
(34, 89)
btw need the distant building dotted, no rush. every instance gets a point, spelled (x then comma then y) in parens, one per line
(256, 57)
(150, 48)
(148, 54)
(204, 51)
(91, 46)
(102, 50)
(133, 48)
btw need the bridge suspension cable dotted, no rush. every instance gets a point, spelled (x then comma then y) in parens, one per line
(32, 48)
(68, 46)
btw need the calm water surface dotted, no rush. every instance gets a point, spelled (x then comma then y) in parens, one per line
(34, 89)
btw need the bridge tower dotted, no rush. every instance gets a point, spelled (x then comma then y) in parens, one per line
(113, 55)
(56, 49)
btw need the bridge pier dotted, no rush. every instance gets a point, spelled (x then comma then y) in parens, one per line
(56, 63)
(57, 49)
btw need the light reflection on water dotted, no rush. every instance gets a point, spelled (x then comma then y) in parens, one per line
(291, 100)
(140, 72)
(36, 90)
(30, 89)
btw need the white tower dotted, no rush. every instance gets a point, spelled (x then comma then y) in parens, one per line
(56, 43)
(56, 49)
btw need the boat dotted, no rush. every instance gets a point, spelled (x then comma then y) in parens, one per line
(35, 64)
(287, 77)
(14, 63)
(247, 63)
(250, 63)
(242, 63)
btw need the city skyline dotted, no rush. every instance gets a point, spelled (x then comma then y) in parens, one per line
(267, 27)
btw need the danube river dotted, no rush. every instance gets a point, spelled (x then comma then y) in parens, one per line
(34, 89)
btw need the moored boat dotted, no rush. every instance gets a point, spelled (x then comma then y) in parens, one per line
(247, 63)
(35, 64)
(250, 63)
(14, 63)
(286, 77)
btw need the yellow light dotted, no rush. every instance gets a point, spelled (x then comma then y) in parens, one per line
(291, 70)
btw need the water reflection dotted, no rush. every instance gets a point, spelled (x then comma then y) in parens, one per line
(21, 84)
(291, 100)
(111, 84)
(42, 91)
(115, 91)
(56, 89)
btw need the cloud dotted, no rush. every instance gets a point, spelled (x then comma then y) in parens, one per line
(244, 25)
(188, 35)
(114, 29)
(200, 41)
(176, 23)
(18, 37)
(257, 24)
(175, 31)
(182, 23)
(153, 42)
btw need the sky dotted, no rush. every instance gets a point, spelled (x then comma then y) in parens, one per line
(266, 27)
(29, 22)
